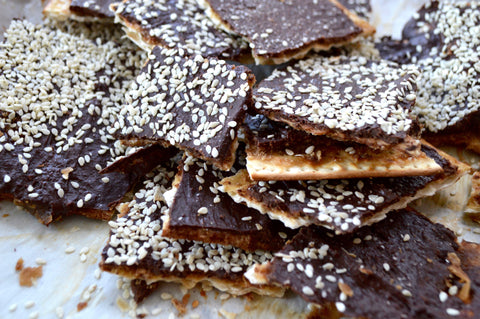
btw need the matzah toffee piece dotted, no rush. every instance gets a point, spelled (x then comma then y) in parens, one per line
(196, 104)
(59, 98)
(442, 40)
(137, 250)
(201, 211)
(403, 267)
(275, 151)
(179, 24)
(82, 10)
(345, 98)
(342, 205)
(282, 30)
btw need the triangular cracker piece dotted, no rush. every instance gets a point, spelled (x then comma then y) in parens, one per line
(193, 103)
(348, 98)
(201, 211)
(341, 205)
(137, 250)
(82, 10)
(403, 267)
(282, 30)
(57, 119)
(176, 24)
(441, 41)
(275, 151)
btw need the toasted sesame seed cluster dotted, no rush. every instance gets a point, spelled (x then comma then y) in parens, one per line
(90, 123)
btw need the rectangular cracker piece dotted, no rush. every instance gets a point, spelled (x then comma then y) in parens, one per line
(176, 24)
(342, 205)
(347, 98)
(137, 250)
(194, 103)
(279, 31)
(441, 40)
(57, 121)
(81, 10)
(403, 267)
(201, 211)
(275, 151)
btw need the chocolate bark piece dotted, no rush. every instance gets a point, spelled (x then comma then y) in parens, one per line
(194, 103)
(82, 10)
(202, 211)
(176, 24)
(361, 8)
(340, 205)
(275, 151)
(59, 98)
(441, 40)
(348, 98)
(137, 250)
(282, 30)
(92, 8)
(402, 267)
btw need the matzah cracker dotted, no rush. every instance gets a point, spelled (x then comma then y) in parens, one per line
(473, 205)
(348, 98)
(176, 24)
(60, 94)
(279, 31)
(276, 151)
(343, 205)
(403, 267)
(137, 250)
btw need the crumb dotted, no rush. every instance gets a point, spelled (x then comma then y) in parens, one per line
(181, 306)
(29, 275)
(195, 303)
(81, 305)
(19, 265)
(203, 294)
(5, 215)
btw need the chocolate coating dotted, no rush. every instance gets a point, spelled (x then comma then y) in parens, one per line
(225, 221)
(273, 28)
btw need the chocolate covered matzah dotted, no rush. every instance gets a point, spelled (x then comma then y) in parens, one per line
(275, 151)
(345, 98)
(201, 211)
(402, 267)
(137, 250)
(177, 25)
(344, 204)
(282, 30)
(84, 10)
(59, 97)
(442, 41)
(196, 104)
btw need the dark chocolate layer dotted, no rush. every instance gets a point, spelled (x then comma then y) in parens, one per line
(92, 8)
